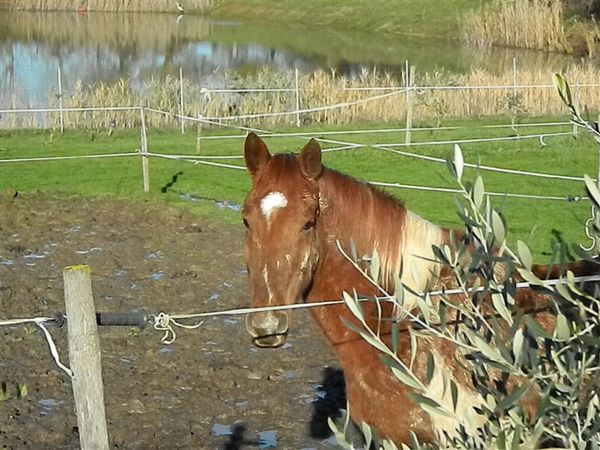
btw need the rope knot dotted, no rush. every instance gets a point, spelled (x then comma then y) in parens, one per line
(164, 322)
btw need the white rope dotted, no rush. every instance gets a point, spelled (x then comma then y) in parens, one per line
(384, 130)
(481, 167)
(60, 158)
(467, 87)
(574, 198)
(54, 351)
(242, 91)
(165, 322)
(8, 322)
(194, 161)
(40, 321)
(238, 127)
(311, 110)
(83, 109)
(476, 140)
(194, 158)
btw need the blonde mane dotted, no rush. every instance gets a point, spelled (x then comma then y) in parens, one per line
(376, 221)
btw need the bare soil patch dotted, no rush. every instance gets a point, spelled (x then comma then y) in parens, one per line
(209, 389)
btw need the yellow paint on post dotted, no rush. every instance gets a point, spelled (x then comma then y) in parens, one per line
(78, 267)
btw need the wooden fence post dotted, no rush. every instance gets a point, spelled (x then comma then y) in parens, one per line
(409, 75)
(181, 107)
(60, 101)
(297, 98)
(84, 358)
(144, 151)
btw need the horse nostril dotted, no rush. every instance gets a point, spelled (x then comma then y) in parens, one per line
(266, 324)
(270, 341)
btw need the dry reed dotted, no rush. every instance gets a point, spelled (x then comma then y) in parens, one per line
(104, 30)
(321, 89)
(535, 24)
(199, 6)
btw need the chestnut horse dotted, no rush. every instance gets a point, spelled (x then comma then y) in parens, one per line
(295, 213)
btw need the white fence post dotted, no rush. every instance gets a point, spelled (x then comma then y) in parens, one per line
(181, 109)
(297, 99)
(144, 151)
(60, 101)
(409, 74)
(84, 358)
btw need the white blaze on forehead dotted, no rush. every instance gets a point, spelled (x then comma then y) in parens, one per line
(271, 202)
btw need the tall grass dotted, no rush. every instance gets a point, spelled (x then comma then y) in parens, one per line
(535, 24)
(323, 88)
(106, 5)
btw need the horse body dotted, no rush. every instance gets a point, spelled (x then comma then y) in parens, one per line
(296, 213)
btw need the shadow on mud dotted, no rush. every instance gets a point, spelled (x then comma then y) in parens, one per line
(331, 397)
(237, 438)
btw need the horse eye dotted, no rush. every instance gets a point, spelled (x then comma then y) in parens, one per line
(308, 225)
(246, 224)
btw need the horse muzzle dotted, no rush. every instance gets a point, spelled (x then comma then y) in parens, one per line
(268, 329)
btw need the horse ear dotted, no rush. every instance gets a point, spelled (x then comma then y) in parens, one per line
(256, 153)
(310, 160)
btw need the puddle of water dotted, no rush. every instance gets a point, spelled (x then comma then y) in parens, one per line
(36, 256)
(155, 255)
(218, 429)
(224, 204)
(165, 350)
(320, 393)
(157, 276)
(287, 345)
(231, 321)
(288, 375)
(267, 439)
(85, 252)
(7, 262)
(48, 405)
(214, 296)
(189, 197)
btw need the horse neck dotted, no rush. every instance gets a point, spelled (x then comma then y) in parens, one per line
(351, 210)
(373, 220)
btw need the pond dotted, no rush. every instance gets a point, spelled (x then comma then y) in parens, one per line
(104, 47)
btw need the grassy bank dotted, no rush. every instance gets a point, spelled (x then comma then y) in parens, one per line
(411, 17)
(219, 191)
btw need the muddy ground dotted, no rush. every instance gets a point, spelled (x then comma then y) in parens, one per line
(209, 389)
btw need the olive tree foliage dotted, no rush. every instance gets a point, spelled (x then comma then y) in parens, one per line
(510, 359)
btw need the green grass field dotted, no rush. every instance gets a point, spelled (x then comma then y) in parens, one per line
(204, 189)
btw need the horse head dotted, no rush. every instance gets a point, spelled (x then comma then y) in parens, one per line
(281, 215)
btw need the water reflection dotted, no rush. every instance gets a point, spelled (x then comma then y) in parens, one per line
(95, 47)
